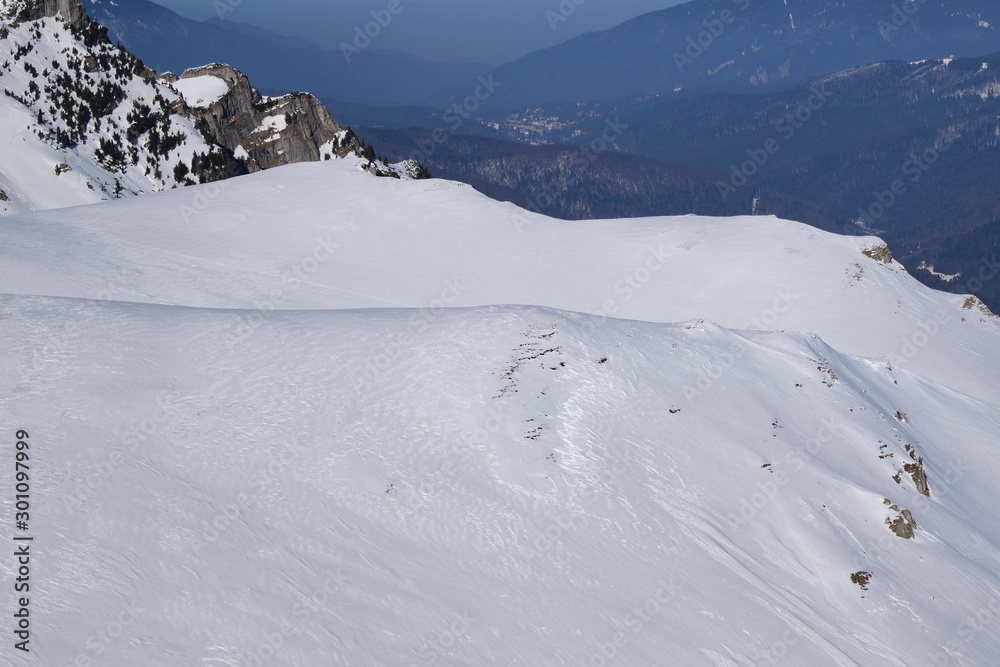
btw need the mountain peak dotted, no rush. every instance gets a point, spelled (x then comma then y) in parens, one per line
(71, 11)
(739, 45)
(85, 120)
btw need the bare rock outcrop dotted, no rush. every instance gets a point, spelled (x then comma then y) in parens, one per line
(72, 11)
(270, 132)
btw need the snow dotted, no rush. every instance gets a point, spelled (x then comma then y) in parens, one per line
(653, 269)
(312, 417)
(27, 170)
(273, 126)
(943, 276)
(202, 91)
(29, 148)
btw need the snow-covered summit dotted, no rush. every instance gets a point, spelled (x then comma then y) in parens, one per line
(265, 433)
(398, 244)
(83, 120)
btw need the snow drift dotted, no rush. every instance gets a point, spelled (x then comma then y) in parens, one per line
(311, 417)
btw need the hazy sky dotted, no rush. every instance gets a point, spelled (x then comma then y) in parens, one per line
(487, 31)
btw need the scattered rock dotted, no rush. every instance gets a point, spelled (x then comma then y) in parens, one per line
(973, 302)
(916, 471)
(861, 579)
(879, 254)
(824, 367)
(903, 525)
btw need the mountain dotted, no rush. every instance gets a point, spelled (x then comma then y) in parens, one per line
(740, 45)
(842, 141)
(270, 132)
(170, 42)
(258, 33)
(335, 419)
(573, 183)
(84, 120)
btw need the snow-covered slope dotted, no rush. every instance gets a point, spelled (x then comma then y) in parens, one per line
(349, 472)
(324, 236)
(81, 120)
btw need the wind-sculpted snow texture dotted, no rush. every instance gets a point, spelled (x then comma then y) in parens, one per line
(310, 417)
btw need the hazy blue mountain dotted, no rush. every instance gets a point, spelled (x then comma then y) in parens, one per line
(842, 141)
(167, 41)
(262, 34)
(741, 45)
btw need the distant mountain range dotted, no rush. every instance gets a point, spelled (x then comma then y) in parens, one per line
(707, 84)
(167, 41)
(931, 128)
(572, 183)
(742, 45)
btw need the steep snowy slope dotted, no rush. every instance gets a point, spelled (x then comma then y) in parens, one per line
(260, 433)
(520, 486)
(83, 120)
(328, 235)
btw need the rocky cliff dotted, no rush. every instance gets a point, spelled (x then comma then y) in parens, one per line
(271, 132)
(119, 129)
(71, 11)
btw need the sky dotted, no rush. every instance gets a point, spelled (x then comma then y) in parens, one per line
(478, 31)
